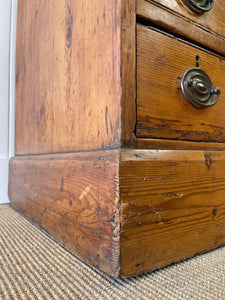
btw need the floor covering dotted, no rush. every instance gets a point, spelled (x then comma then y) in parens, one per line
(34, 266)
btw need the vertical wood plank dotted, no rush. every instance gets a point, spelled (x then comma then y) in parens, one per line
(128, 72)
(67, 76)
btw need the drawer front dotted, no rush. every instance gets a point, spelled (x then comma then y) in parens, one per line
(213, 19)
(162, 110)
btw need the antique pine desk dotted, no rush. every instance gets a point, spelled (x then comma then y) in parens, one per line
(120, 128)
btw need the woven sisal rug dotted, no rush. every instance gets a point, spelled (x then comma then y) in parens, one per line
(33, 266)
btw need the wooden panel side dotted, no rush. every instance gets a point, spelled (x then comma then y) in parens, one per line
(67, 76)
(74, 197)
(207, 29)
(128, 72)
(162, 111)
(172, 206)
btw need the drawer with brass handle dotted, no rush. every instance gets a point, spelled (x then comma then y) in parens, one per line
(199, 6)
(200, 21)
(206, 13)
(180, 89)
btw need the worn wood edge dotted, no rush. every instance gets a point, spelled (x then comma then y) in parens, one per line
(186, 28)
(128, 71)
(24, 200)
(163, 155)
(170, 159)
(143, 143)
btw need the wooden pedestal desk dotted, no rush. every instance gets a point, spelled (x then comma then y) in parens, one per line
(120, 128)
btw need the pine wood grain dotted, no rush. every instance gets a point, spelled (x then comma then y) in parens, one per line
(162, 111)
(172, 206)
(74, 197)
(67, 71)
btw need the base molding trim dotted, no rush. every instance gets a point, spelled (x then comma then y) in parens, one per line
(125, 212)
(74, 197)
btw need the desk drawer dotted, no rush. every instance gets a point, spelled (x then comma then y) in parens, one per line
(207, 30)
(212, 20)
(162, 110)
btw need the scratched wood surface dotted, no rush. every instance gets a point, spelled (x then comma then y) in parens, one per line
(172, 206)
(212, 20)
(162, 111)
(174, 17)
(74, 197)
(67, 76)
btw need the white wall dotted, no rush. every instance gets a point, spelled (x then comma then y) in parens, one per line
(7, 88)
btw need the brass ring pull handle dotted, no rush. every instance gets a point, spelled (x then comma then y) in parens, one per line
(198, 89)
(199, 6)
